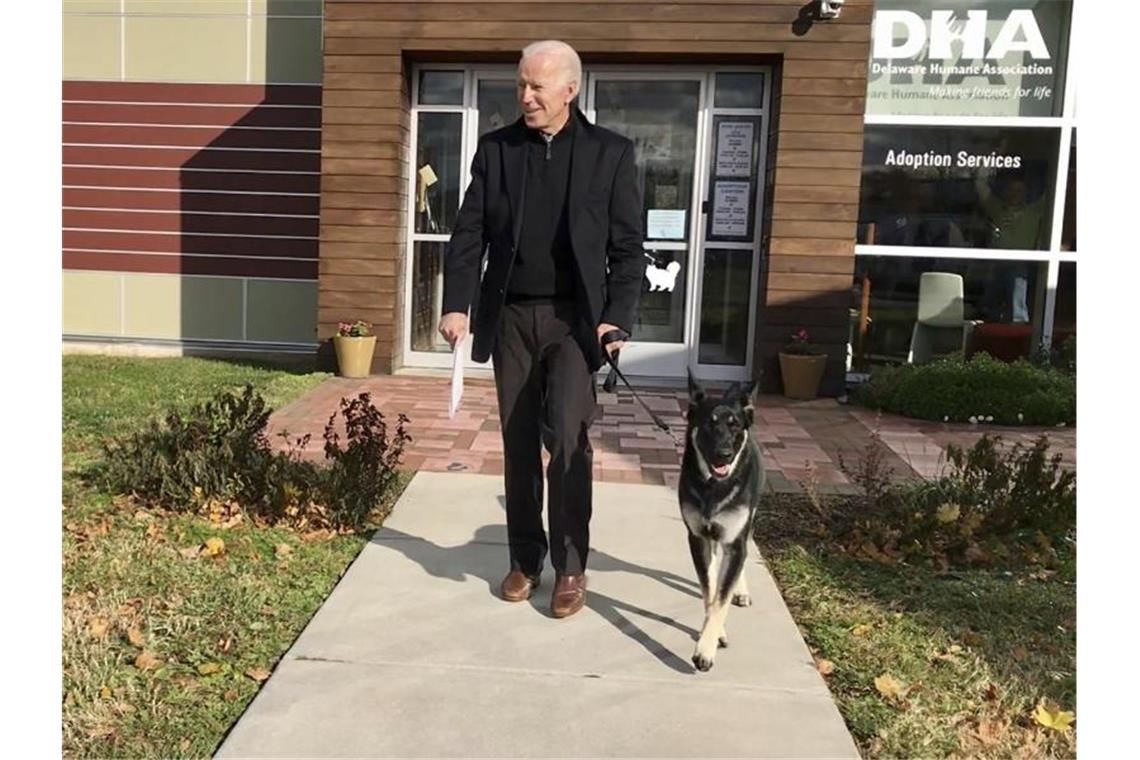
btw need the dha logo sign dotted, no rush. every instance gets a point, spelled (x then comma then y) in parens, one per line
(945, 28)
(965, 62)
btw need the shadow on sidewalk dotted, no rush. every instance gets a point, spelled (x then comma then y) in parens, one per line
(446, 562)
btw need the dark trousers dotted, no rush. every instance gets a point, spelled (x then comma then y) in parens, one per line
(546, 396)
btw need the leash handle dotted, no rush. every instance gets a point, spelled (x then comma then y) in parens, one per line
(610, 382)
(612, 336)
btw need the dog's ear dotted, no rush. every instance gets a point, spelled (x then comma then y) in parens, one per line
(746, 401)
(696, 392)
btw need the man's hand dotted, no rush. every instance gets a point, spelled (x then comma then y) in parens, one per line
(604, 328)
(453, 327)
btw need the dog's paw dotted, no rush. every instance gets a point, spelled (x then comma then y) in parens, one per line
(742, 600)
(702, 663)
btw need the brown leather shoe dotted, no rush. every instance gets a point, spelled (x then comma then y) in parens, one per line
(517, 586)
(569, 595)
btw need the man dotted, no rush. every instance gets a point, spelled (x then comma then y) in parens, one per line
(555, 201)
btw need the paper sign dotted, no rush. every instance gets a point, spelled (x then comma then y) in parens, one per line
(734, 148)
(731, 201)
(456, 377)
(666, 224)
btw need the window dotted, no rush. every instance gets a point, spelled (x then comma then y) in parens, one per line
(1005, 298)
(437, 178)
(958, 188)
(995, 58)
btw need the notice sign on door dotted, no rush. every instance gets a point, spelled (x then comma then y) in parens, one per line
(734, 149)
(731, 201)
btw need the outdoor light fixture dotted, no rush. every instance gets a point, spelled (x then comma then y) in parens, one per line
(829, 8)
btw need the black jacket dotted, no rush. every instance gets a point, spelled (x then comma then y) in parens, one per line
(604, 207)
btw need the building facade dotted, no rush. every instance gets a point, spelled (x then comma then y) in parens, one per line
(242, 175)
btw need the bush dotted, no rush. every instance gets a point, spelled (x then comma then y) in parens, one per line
(993, 504)
(954, 390)
(218, 454)
(359, 476)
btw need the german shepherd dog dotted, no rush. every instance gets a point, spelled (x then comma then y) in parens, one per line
(720, 485)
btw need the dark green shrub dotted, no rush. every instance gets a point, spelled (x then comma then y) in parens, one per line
(954, 390)
(359, 475)
(218, 449)
(218, 452)
(994, 503)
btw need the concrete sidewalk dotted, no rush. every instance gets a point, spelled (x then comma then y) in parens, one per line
(413, 654)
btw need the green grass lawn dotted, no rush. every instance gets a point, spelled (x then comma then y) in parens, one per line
(971, 652)
(163, 646)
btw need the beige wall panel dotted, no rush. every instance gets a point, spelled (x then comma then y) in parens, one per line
(187, 7)
(186, 49)
(282, 310)
(286, 50)
(91, 6)
(173, 306)
(91, 303)
(91, 47)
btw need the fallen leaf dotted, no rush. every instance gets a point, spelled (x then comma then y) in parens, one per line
(889, 686)
(991, 692)
(184, 745)
(317, 535)
(153, 531)
(123, 708)
(825, 667)
(948, 513)
(97, 628)
(860, 630)
(230, 695)
(258, 674)
(105, 693)
(143, 516)
(975, 553)
(206, 668)
(971, 638)
(134, 635)
(190, 552)
(1053, 717)
(283, 550)
(213, 547)
(147, 661)
(1019, 653)
(990, 731)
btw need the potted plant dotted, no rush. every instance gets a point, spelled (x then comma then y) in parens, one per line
(354, 343)
(801, 366)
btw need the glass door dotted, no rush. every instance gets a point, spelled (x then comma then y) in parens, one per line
(700, 140)
(733, 167)
(661, 113)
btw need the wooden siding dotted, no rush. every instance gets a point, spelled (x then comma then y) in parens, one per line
(218, 179)
(814, 147)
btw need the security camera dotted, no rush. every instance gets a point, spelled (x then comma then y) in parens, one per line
(830, 8)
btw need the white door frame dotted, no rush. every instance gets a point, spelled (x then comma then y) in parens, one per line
(645, 360)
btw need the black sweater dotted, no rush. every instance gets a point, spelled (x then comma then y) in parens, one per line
(544, 265)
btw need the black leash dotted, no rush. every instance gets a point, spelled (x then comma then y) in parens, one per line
(609, 384)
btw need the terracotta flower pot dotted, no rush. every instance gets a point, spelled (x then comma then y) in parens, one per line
(354, 355)
(802, 374)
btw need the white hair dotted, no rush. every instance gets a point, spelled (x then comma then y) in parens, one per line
(571, 63)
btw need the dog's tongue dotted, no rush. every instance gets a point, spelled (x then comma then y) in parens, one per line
(721, 470)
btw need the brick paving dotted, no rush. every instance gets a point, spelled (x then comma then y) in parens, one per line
(799, 440)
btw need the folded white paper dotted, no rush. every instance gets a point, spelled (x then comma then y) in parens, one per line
(456, 376)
